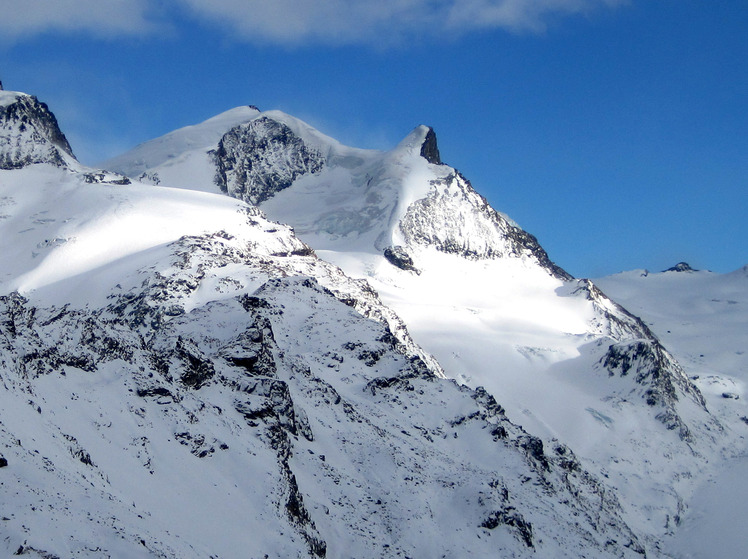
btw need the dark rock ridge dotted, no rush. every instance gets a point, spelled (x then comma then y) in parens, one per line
(429, 149)
(455, 219)
(29, 134)
(256, 160)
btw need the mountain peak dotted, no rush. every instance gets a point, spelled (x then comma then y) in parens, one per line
(423, 139)
(681, 267)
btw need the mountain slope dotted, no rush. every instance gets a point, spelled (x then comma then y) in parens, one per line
(482, 296)
(182, 377)
(702, 317)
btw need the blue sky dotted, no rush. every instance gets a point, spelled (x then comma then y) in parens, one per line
(615, 131)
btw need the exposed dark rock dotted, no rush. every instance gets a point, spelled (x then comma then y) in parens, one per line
(34, 552)
(197, 369)
(398, 257)
(256, 160)
(78, 452)
(533, 446)
(156, 391)
(510, 517)
(658, 374)
(249, 302)
(429, 149)
(198, 445)
(252, 349)
(106, 178)
(3, 461)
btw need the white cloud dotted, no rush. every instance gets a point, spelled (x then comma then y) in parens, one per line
(23, 18)
(290, 22)
(380, 21)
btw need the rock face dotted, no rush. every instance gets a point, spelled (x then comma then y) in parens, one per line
(429, 149)
(637, 351)
(29, 134)
(250, 388)
(256, 160)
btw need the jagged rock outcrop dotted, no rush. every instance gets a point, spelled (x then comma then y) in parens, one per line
(398, 257)
(637, 351)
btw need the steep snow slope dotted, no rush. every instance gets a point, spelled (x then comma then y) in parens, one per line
(183, 378)
(481, 295)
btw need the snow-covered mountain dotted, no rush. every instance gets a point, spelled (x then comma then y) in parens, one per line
(182, 377)
(389, 368)
(474, 290)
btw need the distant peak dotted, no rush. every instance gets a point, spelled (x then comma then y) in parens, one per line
(429, 149)
(681, 267)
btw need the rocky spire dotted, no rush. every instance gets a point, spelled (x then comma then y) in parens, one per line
(429, 150)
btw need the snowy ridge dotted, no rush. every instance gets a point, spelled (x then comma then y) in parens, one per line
(158, 152)
(472, 228)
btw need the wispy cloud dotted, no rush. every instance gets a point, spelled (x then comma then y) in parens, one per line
(291, 22)
(23, 18)
(383, 21)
